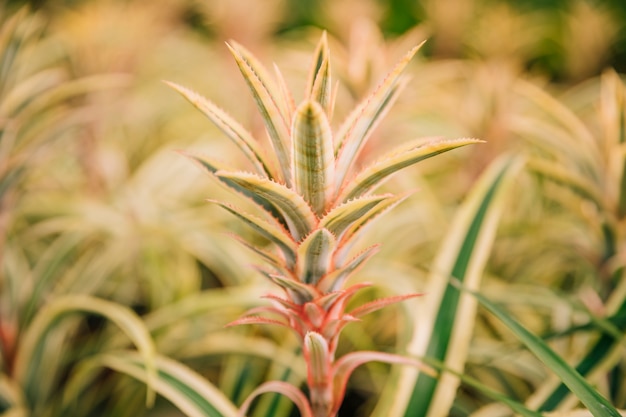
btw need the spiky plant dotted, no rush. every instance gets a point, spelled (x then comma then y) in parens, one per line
(315, 207)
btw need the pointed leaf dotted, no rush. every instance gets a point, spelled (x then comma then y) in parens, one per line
(595, 402)
(264, 93)
(345, 365)
(296, 212)
(288, 390)
(355, 130)
(240, 136)
(344, 216)
(256, 320)
(395, 161)
(335, 280)
(299, 292)
(380, 303)
(288, 103)
(314, 164)
(319, 82)
(446, 324)
(315, 255)
(319, 378)
(271, 232)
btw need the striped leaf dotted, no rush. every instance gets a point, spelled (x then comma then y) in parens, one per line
(288, 103)
(448, 317)
(319, 81)
(340, 218)
(265, 96)
(374, 174)
(314, 163)
(355, 130)
(188, 391)
(237, 133)
(596, 403)
(273, 233)
(335, 280)
(292, 207)
(315, 256)
(299, 292)
(33, 342)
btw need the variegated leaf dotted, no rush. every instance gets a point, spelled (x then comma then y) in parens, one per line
(355, 130)
(273, 233)
(284, 388)
(340, 218)
(271, 258)
(380, 303)
(319, 81)
(334, 281)
(288, 103)
(212, 167)
(237, 133)
(300, 293)
(395, 161)
(319, 378)
(315, 256)
(296, 212)
(265, 93)
(314, 164)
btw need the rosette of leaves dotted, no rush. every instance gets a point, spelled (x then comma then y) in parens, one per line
(315, 206)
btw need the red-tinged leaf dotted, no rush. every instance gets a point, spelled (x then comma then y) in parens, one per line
(270, 258)
(273, 232)
(396, 160)
(337, 309)
(264, 93)
(314, 313)
(335, 280)
(319, 377)
(256, 320)
(293, 208)
(344, 367)
(281, 301)
(380, 303)
(237, 133)
(280, 387)
(333, 328)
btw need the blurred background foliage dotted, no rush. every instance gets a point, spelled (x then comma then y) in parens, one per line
(95, 201)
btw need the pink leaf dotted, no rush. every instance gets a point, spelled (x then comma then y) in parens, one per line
(380, 303)
(280, 387)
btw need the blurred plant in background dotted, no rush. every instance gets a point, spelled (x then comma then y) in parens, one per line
(109, 260)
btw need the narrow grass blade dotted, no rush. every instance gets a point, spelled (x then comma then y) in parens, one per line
(190, 392)
(293, 208)
(374, 174)
(448, 317)
(313, 158)
(595, 402)
(240, 136)
(33, 346)
(265, 95)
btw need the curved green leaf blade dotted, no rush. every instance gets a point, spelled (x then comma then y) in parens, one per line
(448, 318)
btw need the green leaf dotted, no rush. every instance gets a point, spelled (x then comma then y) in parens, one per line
(448, 317)
(595, 402)
(33, 342)
(313, 159)
(355, 130)
(292, 207)
(240, 136)
(334, 281)
(190, 392)
(315, 255)
(374, 174)
(265, 95)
